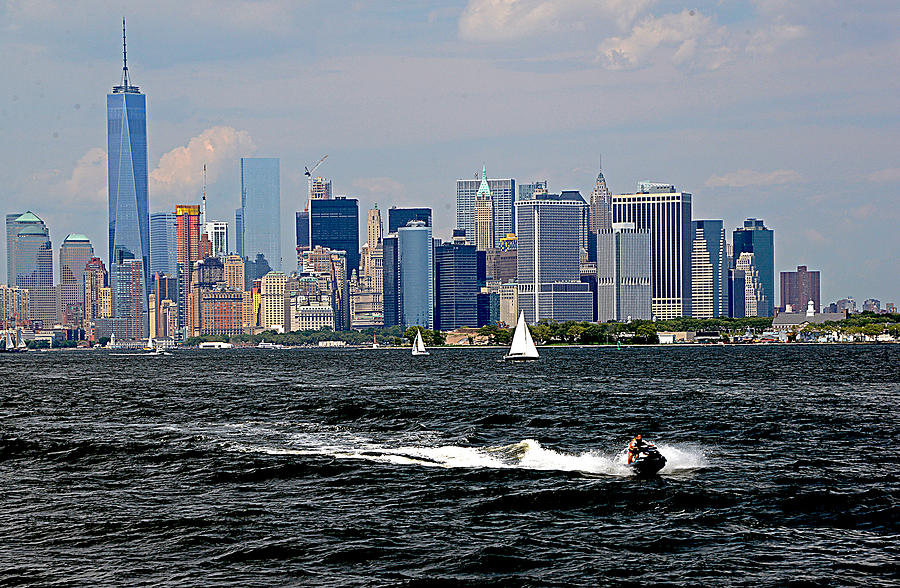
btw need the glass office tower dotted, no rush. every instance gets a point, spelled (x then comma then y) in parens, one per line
(416, 256)
(709, 270)
(129, 221)
(261, 209)
(399, 217)
(33, 268)
(335, 224)
(163, 244)
(755, 238)
(75, 253)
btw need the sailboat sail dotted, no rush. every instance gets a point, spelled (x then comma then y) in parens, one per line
(9, 342)
(20, 341)
(419, 345)
(523, 346)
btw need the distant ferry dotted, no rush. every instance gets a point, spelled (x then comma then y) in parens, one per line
(267, 345)
(215, 345)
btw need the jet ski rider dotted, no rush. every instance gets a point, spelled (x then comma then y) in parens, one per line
(635, 447)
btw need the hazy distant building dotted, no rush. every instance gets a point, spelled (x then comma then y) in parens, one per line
(502, 194)
(239, 232)
(527, 191)
(32, 257)
(755, 238)
(261, 209)
(798, 288)
(501, 265)
(548, 230)
(163, 243)
(667, 215)
(234, 272)
(13, 306)
(872, 305)
(75, 253)
(709, 270)
(400, 217)
(456, 286)
(623, 273)
(330, 267)
(416, 261)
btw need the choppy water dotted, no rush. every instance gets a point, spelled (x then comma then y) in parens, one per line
(369, 467)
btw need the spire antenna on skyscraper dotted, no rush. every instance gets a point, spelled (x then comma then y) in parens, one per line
(124, 57)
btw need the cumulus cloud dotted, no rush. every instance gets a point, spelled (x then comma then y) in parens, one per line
(745, 178)
(768, 39)
(694, 39)
(179, 173)
(504, 20)
(87, 185)
(885, 176)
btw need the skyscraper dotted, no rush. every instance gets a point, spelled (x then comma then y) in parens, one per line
(261, 209)
(75, 253)
(390, 268)
(601, 206)
(709, 270)
(217, 231)
(503, 194)
(623, 273)
(129, 221)
(755, 238)
(33, 267)
(234, 272)
(374, 227)
(95, 278)
(799, 287)
(163, 244)
(127, 295)
(456, 286)
(416, 261)
(15, 222)
(527, 191)
(187, 223)
(755, 303)
(239, 232)
(334, 223)
(484, 216)
(319, 188)
(667, 215)
(399, 217)
(548, 230)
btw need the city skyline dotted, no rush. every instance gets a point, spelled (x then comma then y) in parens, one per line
(733, 173)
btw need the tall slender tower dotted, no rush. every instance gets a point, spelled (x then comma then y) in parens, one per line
(129, 221)
(601, 205)
(484, 215)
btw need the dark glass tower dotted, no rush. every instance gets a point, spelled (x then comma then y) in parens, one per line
(129, 221)
(334, 223)
(261, 209)
(399, 217)
(456, 286)
(755, 238)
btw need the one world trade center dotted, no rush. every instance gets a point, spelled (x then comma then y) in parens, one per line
(126, 116)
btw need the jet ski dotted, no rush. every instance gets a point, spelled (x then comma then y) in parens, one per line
(648, 461)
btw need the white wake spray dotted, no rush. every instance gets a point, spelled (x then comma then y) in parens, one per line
(527, 454)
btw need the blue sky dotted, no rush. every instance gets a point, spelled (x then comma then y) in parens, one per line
(786, 111)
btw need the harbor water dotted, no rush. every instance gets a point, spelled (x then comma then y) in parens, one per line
(365, 467)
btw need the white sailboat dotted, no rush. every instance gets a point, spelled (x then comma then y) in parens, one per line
(522, 346)
(20, 341)
(419, 345)
(9, 348)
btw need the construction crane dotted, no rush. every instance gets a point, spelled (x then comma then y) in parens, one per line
(309, 172)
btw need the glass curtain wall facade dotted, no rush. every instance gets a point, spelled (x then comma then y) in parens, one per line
(391, 279)
(709, 270)
(456, 286)
(400, 217)
(75, 253)
(335, 224)
(163, 244)
(548, 231)
(33, 270)
(755, 238)
(623, 273)
(129, 220)
(503, 193)
(261, 209)
(667, 215)
(416, 257)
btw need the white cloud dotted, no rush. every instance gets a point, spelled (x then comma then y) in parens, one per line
(695, 38)
(380, 186)
(885, 176)
(179, 173)
(768, 40)
(87, 185)
(505, 20)
(745, 178)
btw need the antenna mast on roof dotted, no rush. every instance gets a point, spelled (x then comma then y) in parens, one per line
(203, 201)
(124, 57)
